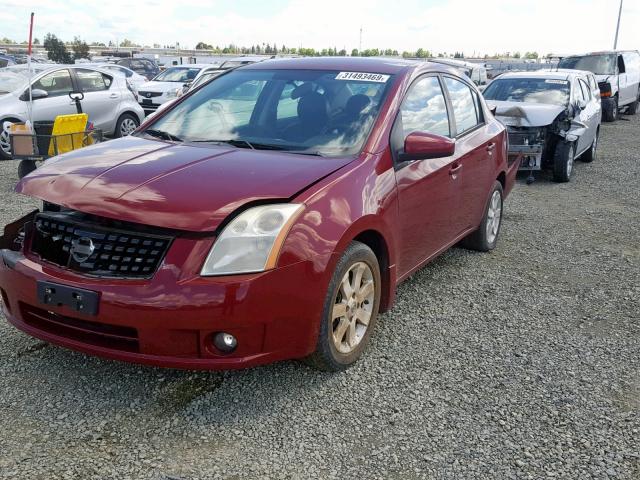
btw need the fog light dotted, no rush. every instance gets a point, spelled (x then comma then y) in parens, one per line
(225, 342)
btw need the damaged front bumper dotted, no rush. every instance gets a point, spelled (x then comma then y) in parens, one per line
(529, 144)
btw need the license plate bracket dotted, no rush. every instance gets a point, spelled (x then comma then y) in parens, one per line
(77, 299)
(147, 101)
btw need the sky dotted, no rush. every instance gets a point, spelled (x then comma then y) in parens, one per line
(473, 27)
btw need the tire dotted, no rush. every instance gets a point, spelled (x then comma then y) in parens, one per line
(25, 167)
(563, 160)
(632, 109)
(335, 353)
(591, 154)
(610, 110)
(485, 238)
(5, 147)
(127, 123)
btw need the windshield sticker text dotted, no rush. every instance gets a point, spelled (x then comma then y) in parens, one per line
(363, 77)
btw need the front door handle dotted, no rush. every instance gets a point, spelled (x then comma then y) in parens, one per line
(491, 147)
(455, 170)
(114, 95)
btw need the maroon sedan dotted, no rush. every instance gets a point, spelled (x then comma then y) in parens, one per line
(269, 214)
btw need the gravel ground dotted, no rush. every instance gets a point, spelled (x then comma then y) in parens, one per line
(522, 363)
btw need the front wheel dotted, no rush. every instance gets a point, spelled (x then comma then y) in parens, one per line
(563, 161)
(485, 238)
(350, 310)
(5, 142)
(126, 125)
(610, 110)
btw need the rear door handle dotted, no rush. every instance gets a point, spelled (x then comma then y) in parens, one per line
(114, 95)
(455, 170)
(491, 147)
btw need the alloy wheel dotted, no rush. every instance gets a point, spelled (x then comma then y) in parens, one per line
(5, 144)
(494, 216)
(127, 127)
(353, 307)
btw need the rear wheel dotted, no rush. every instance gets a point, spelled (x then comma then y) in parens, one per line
(126, 125)
(485, 237)
(590, 155)
(350, 310)
(563, 161)
(632, 109)
(25, 167)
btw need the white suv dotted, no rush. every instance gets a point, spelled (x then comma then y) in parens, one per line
(618, 75)
(109, 102)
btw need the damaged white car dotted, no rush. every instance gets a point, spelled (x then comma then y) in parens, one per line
(552, 117)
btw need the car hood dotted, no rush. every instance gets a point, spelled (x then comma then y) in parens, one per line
(519, 114)
(153, 86)
(170, 185)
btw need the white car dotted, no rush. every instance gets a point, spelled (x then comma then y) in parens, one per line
(134, 79)
(166, 86)
(108, 100)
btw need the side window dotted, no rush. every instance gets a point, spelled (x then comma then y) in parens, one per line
(586, 92)
(92, 81)
(424, 109)
(287, 106)
(621, 66)
(464, 107)
(577, 92)
(592, 82)
(55, 83)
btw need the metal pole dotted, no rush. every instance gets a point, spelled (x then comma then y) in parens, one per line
(615, 42)
(360, 49)
(29, 70)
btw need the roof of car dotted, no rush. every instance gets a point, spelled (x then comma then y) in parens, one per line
(360, 64)
(555, 74)
(601, 52)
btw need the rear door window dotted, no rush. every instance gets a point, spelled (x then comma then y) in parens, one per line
(92, 81)
(465, 111)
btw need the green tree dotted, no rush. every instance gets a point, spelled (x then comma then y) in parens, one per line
(355, 52)
(531, 55)
(516, 55)
(128, 43)
(80, 48)
(342, 53)
(203, 46)
(56, 49)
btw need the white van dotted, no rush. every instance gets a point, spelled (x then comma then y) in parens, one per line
(618, 75)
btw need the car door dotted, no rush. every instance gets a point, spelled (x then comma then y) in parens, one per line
(427, 189)
(474, 152)
(577, 99)
(58, 84)
(101, 98)
(590, 115)
(632, 70)
(624, 96)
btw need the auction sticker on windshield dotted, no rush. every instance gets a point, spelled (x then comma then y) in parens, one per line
(556, 82)
(363, 76)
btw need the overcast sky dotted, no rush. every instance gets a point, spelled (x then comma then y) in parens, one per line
(482, 26)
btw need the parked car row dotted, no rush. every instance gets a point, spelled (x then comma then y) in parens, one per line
(185, 244)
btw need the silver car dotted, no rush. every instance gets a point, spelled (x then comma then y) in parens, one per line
(552, 118)
(108, 100)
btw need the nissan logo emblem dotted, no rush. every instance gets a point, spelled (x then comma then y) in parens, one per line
(149, 95)
(81, 249)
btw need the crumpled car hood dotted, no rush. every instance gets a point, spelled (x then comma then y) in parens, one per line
(171, 185)
(519, 114)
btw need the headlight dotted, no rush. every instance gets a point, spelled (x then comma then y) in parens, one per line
(252, 241)
(172, 93)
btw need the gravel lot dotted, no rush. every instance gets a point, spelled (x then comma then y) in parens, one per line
(522, 363)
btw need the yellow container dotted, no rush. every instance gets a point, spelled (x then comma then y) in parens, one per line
(68, 133)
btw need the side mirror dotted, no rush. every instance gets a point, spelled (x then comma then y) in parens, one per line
(423, 145)
(582, 104)
(36, 94)
(493, 109)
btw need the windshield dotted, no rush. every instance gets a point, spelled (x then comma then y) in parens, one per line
(179, 74)
(308, 111)
(598, 64)
(529, 90)
(205, 77)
